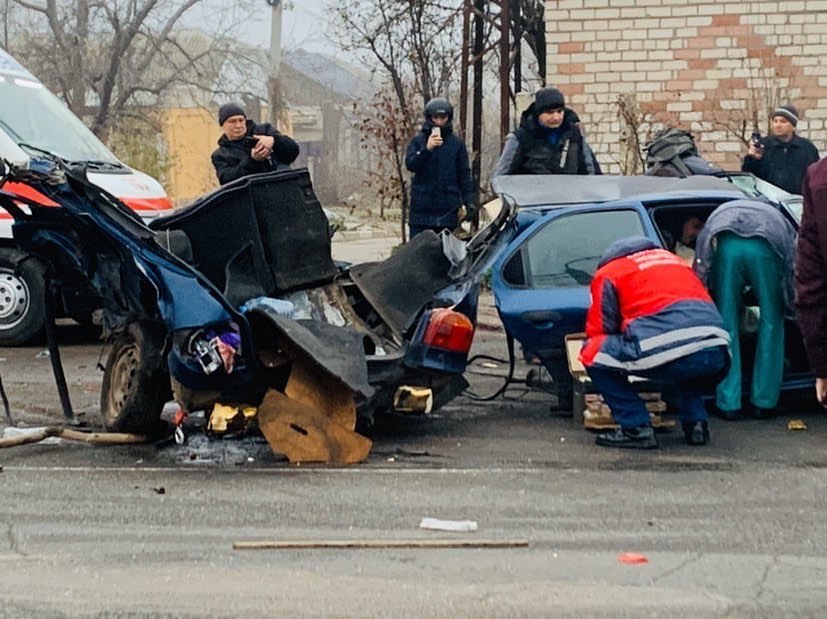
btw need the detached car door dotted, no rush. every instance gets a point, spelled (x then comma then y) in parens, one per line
(541, 281)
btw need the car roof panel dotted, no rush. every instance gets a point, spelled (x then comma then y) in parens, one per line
(562, 189)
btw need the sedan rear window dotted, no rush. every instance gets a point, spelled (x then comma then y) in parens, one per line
(565, 252)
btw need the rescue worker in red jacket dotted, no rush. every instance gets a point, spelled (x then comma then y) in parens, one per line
(650, 316)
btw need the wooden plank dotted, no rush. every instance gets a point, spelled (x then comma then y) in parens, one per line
(393, 543)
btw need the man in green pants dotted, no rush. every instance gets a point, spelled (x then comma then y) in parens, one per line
(747, 243)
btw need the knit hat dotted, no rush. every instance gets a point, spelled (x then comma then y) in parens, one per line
(548, 99)
(789, 112)
(229, 109)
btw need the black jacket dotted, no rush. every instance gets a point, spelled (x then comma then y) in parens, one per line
(441, 178)
(783, 163)
(232, 158)
(548, 151)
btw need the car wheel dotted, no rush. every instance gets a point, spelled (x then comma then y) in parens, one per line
(136, 382)
(22, 298)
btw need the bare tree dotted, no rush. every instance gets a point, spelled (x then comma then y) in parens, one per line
(105, 58)
(531, 25)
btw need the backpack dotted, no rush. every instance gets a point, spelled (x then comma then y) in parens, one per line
(668, 149)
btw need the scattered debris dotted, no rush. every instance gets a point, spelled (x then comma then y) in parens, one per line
(632, 558)
(436, 524)
(160, 490)
(796, 424)
(393, 543)
(413, 400)
(43, 354)
(489, 365)
(13, 437)
(305, 434)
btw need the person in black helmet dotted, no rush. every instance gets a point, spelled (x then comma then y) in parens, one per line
(548, 140)
(441, 173)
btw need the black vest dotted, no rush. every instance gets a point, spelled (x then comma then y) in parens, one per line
(536, 155)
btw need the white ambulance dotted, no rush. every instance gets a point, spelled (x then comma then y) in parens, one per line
(34, 118)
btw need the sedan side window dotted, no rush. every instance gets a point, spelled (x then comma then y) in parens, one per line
(565, 252)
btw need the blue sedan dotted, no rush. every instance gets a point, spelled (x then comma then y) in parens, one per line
(563, 224)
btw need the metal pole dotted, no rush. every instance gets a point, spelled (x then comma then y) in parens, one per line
(479, 34)
(505, 69)
(518, 47)
(463, 79)
(273, 87)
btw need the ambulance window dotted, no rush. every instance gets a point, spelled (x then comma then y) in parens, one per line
(31, 114)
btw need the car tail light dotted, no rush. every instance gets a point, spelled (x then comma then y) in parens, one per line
(449, 330)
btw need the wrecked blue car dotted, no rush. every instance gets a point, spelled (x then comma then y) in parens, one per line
(237, 295)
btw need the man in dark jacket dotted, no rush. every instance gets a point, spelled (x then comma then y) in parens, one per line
(441, 173)
(783, 157)
(249, 148)
(749, 243)
(650, 316)
(548, 140)
(811, 275)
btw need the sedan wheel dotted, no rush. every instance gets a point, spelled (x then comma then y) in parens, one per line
(135, 382)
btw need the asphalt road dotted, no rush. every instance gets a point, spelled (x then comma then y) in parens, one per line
(731, 529)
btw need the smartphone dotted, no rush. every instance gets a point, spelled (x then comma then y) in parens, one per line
(756, 140)
(249, 141)
(436, 131)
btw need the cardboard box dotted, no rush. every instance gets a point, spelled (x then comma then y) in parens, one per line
(589, 408)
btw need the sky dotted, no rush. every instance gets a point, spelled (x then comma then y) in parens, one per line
(304, 23)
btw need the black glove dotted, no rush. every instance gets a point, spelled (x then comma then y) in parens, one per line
(470, 211)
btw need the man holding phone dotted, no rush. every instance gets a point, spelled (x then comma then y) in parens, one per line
(783, 157)
(441, 182)
(249, 148)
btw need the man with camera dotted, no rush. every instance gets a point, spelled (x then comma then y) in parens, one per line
(249, 148)
(782, 158)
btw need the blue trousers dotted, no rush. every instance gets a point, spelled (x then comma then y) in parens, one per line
(691, 375)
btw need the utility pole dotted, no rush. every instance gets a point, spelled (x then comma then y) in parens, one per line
(274, 100)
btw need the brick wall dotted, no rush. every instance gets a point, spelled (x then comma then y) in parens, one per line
(716, 68)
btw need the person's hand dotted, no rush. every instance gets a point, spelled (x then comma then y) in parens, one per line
(263, 148)
(434, 141)
(821, 391)
(756, 152)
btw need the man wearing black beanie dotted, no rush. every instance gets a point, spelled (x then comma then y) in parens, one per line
(782, 158)
(249, 148)
(548, 140)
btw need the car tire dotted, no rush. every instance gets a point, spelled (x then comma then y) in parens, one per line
(22, 298)
(136, 382)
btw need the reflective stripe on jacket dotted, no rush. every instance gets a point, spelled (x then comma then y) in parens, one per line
(648, 309)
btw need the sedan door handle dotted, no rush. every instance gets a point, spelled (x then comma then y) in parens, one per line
(541, 316)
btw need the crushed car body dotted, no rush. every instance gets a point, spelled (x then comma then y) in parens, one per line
(236, 300)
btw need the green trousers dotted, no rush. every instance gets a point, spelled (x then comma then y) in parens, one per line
(741, 262)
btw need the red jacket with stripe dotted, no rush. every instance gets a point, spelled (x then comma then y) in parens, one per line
(648, 308)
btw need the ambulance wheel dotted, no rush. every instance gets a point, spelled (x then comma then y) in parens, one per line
(22, 298)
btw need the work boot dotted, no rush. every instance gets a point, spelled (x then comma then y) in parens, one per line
(696, 433)
(727, 415)
(640, 437)
(759, 412)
